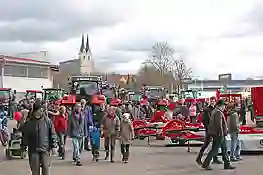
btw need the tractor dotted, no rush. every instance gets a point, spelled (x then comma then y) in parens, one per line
(85, 86)
(33, 94)
(53, 94)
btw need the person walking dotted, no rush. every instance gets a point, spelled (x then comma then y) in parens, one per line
(40, 137)
(208, 138)
(217, 128)
(233, 129)
(111, 130)
(77, 131)
(61, 127)
(126, 136)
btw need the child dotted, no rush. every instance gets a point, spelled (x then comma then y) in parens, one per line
(61, 126)
(95, 141)
(126, 136)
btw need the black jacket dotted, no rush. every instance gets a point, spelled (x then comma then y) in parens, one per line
(39, 134)
(206, 115)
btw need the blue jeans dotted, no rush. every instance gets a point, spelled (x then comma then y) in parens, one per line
(235, 147)
(77, 143)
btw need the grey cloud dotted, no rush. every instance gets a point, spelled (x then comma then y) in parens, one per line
(13, 48)
(51, 20)
(138, 42)
(255, 18)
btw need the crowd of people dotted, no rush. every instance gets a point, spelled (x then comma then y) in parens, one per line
(47, 126)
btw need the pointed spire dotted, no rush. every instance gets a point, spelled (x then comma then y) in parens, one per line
(82, 44)
(87, 44)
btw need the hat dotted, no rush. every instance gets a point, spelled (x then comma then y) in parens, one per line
(220, 102)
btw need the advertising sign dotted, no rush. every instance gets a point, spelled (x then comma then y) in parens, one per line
(225, 77)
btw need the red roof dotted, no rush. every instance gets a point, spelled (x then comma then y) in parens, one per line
(18, 59)
(114, 78)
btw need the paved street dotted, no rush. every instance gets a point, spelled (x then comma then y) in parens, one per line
(154, 160)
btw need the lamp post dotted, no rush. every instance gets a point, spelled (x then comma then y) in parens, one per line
(3, 70)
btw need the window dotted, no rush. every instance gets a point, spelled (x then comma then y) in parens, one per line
(37, 72)
(15, 71)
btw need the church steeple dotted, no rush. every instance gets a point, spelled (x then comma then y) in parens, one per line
(82, 48)
(87, 44)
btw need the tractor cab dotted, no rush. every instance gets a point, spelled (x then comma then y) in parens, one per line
(85, 86)
(109, 91)
(53, 94)
(153, 93)
(33, 94)
(189, 94)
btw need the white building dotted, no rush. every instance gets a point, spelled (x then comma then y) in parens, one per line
(22, 74)
(83, 65)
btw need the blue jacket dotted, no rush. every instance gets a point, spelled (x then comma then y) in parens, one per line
(95, 136)
(89, 116)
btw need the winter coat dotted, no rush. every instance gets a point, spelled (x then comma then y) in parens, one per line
(206, 116)
(111, 125)
(77, 126)
(217, 123)
(126, 131)
(61, 123)
(233, 122)
(39, 133)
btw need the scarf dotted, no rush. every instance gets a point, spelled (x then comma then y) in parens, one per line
(112, 115)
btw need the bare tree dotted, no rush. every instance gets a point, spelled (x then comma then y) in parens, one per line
(181, 72)
(168, 70)
(162, 58)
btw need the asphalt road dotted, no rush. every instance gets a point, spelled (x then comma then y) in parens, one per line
(144, 160)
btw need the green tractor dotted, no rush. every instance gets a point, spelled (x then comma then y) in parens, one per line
(53, 94)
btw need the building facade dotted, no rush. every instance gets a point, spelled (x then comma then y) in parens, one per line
(231, 85)
(83, 65)
(22, 74)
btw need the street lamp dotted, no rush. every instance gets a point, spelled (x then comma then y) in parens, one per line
(3, 70)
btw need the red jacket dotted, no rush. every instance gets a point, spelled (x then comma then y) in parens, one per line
(61, 123)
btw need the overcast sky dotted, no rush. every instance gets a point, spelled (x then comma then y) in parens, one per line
(215, 36)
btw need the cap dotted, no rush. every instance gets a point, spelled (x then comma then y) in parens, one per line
(220, 102)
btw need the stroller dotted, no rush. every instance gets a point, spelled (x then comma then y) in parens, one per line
(14, 147)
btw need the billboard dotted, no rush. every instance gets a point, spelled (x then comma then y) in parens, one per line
(225, 77)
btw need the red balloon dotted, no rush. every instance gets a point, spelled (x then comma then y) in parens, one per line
(17, 116)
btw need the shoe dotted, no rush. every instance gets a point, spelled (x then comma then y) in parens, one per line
(229, 167)
(239, 158)
(74, 160)
(107, 156)
(88, 149)
(233, 160)
(199, 162)
(217, 162)
(112, 161)
(78, 163)
(206, 167)
(122, 159)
